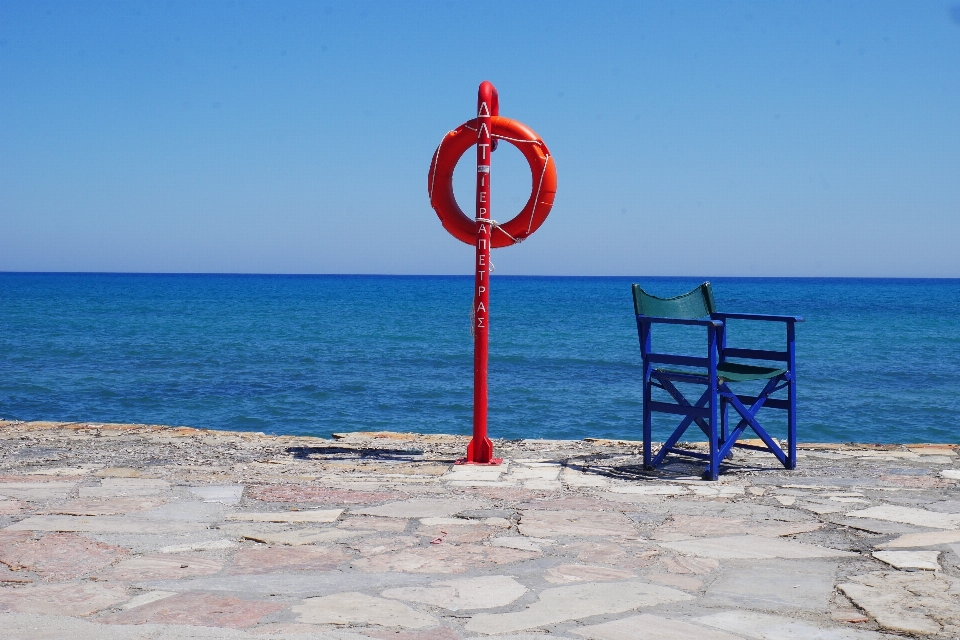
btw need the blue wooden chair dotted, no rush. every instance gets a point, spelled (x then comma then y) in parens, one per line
(716, 372)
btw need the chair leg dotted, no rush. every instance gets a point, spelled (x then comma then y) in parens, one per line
(647, 424)
(713, 471)
(792, 427)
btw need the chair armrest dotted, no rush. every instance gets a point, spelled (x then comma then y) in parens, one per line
(755, 316)
(696, 323)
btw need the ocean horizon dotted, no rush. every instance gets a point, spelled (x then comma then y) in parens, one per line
(318, 354)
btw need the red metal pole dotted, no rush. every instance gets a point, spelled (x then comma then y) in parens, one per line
(480, 449)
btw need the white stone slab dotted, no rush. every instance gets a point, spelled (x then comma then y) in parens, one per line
(118, 487)
(105, 524)
(559, 604)
(785, 500)
(312, 515)
(36, 491)
(147, 598)
(520, 542)
(650, 489)
(472, 472)
(910, 515)
(751, 547)
(926, 560)
(423, 508)
(300, 537)
(718, 491)
(950, 474)
(485, 592)
(545, 472)
(650, 627)
(357, 608)
(928, 539)
(580, 479)
(763, 626)
(204, 545)
(225, 494)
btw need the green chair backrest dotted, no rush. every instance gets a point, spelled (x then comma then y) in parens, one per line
(689, 306)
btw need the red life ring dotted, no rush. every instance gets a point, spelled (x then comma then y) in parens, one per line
(542, 170)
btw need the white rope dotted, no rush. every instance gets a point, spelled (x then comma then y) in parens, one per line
(496, 225)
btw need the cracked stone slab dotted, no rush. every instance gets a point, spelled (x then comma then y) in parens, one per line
(779, 586)
(520, 542)
(566, 573)
(104, 506)
(924, 560)
(559, 604)
(313, 515)
(224, 494)
(929, 539)
(751, 547)
(688, 526)
(916, 602)
(197, 609)
(302, 584)
(147, 598)
(485, 592)
(162, 567)
(910, 515)
(549, 524)
(297, 537)
(284, 559)
(650, 627)
(65, 599)
(423, 508)
(105, 524)
(60, 556)
(358, 608)
(317, 495)
(37, 491)
(126, 487)
(442, 558)
(761, 626)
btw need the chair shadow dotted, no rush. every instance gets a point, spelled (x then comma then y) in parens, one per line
(334, 452)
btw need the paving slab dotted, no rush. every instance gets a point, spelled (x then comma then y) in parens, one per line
(37, 491)
(559, 604)
(224, 494)
(198, 609)
(749, 624)
(60, 556)
(359, 608)
(923, 560)
(161, 567)
(297, 537)
(313, 515)
(105, 524)
(751, 547)
(918, 602)
(295, 584)
(882, 527)
(779, 586)
(442, 558)
(147, 598)
(567, 573)
(484, 592)
(423, 508)
(687, 583)
(126, 487)
(550, 524)
(286, 559)
(689, 526)
(64, 599)
(910, 515)
(650, 627)
(317, 495)
(104, 506)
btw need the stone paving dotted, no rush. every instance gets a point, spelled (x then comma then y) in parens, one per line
(136, 531)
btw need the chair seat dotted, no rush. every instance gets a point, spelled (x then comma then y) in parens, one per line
(735, 372)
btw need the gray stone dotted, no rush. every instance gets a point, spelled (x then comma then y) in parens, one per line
(296, 537)
(882, 527)
(37, 491)
(104, 524)
(293, 584)
(121, 487)
(909, 515)
(576, 601)
(751, 547)
(761, 626)
(649, 627)
(924, 560)
(485, 592)
(358, 608)
(311, 515)
(907, 602)
(225, 494)
(549, 524)
(774, 586)
(929, 539)
(423, 508)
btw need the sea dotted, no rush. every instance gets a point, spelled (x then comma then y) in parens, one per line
(878, 360)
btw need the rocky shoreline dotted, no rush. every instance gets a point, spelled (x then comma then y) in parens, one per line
(145, 531)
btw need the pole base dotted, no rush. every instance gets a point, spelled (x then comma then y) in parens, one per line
(480, 451)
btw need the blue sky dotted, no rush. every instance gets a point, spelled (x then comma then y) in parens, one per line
(691, 138)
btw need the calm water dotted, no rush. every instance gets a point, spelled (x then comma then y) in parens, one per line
(878, 359)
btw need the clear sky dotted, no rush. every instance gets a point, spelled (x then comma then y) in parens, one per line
(691, 138)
